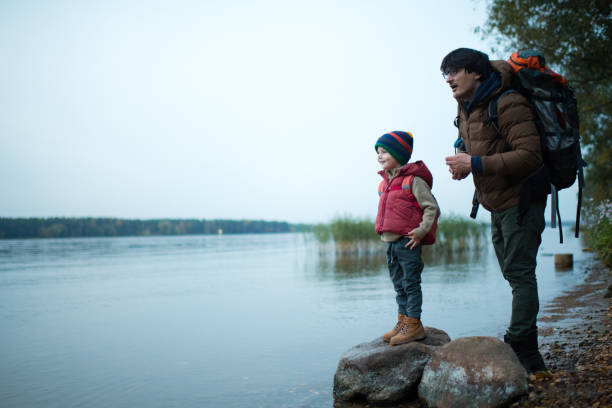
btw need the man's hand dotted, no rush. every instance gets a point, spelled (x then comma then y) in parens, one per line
(414, 240)
(459, 165)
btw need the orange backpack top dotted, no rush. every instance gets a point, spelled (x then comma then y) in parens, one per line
(557, 121)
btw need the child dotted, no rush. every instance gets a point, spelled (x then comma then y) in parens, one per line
(405, 214)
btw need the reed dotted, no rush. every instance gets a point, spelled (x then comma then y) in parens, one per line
(459, 234)
(351, 235)
(322, 233)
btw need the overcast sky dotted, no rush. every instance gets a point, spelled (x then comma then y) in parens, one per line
(224, 109)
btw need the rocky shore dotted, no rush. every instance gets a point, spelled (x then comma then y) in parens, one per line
(576, 343)
(575, 340)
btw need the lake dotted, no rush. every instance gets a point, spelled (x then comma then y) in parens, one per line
(220, 321)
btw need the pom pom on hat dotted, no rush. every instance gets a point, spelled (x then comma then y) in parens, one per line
(398, 144)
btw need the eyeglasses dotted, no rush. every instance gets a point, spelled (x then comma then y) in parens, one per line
(450, 72)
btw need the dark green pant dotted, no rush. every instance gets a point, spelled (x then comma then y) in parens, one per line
(516, 247)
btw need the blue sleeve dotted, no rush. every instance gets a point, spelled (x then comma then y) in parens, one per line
(476, 164)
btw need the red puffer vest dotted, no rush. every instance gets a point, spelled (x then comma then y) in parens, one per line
(396, 212)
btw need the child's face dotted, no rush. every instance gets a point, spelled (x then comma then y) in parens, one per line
(386, 161)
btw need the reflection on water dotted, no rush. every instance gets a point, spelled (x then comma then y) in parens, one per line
(343, 265)
(219, 321)
(367, 258)
(346, 266)
(434, 257)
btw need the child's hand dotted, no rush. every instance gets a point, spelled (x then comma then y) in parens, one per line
(414, 240)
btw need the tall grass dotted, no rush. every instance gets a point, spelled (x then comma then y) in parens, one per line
(458, 234)
(351, 235)
(598, 229)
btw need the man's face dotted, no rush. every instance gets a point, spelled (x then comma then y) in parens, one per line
(463, 84)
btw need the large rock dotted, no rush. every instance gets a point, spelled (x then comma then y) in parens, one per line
(377, 373)
(472, 372)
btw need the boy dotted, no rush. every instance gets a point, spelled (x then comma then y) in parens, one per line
(406, 212)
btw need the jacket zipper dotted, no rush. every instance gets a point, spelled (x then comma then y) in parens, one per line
(384, 205)
(476, 183)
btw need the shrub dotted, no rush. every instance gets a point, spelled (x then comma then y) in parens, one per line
(598, 229)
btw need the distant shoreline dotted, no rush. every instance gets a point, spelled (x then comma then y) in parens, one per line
(66, 227)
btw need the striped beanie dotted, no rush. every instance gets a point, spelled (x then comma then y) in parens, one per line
(398, 144)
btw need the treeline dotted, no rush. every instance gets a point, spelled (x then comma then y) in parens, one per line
(12, 228)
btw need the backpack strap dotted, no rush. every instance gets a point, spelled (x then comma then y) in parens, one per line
(492, 110)
(554, 210)
(475, 205)
(581, 164)
(381, 187)
(407, 187)
(407, 183)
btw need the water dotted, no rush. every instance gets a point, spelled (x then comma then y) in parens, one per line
(218, 321)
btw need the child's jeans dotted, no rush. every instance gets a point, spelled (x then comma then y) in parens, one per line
(405, 267)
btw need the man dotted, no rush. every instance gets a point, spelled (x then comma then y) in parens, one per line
(502, 158)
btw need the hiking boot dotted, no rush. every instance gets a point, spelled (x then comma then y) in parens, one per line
(400, 321)
(411, 330)
(528, 353)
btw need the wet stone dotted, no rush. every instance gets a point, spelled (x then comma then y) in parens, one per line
(467, 372)
(376, 373)
(473, 372)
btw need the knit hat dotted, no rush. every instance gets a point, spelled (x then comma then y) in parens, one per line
(398, 144)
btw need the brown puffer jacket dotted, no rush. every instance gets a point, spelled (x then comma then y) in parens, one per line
(507, 157)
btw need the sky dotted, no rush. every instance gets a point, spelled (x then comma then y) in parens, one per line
(256, 109)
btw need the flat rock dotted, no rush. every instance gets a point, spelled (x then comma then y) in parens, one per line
(472, 372)
(379, 374)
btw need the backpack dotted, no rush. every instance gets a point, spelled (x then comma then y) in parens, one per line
(430, 237)
(557, 122)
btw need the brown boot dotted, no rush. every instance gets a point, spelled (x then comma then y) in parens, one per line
(400, 321)
(411, 330)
